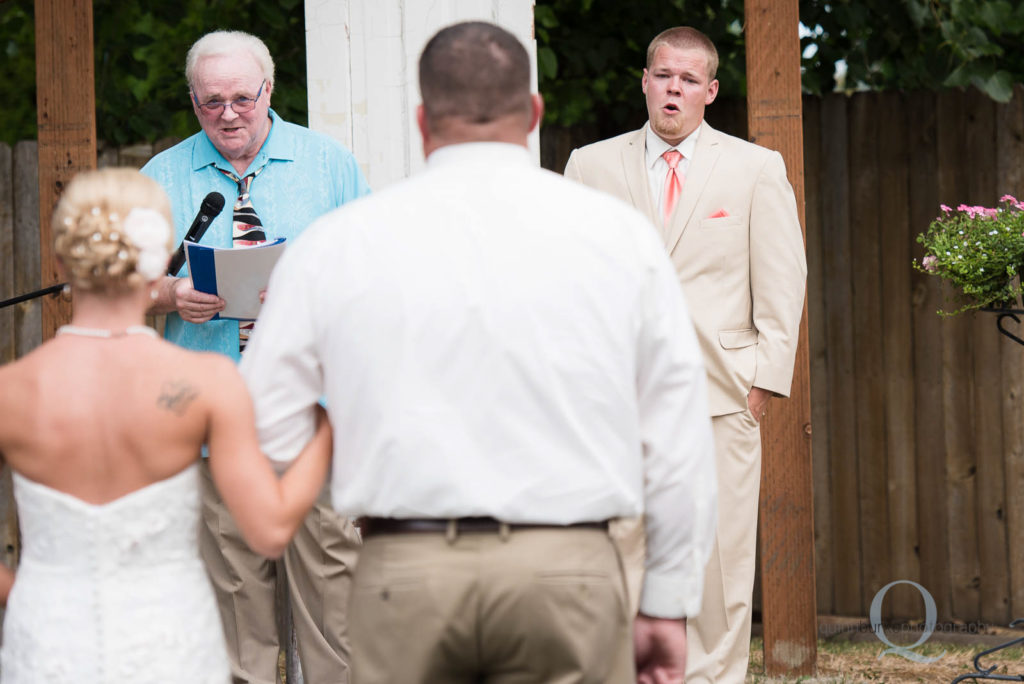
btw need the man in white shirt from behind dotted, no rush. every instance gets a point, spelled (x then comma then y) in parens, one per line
(508, 364)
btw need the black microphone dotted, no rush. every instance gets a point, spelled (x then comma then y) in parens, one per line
(208, 210)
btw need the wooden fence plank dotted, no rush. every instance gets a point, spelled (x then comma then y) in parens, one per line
(897, 361)
(836, 239)
(27, 315)
(992, 579)
(818, 346)
(1010, 176)
(958, 386)
(869, 389)
(6, 251)
(928, 344)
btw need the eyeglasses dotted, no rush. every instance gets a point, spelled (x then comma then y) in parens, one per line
(239, 106)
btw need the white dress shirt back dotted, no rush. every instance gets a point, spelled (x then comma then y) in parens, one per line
(494, 340)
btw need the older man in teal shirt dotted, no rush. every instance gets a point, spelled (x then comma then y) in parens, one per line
(304, 175)
(288, 175)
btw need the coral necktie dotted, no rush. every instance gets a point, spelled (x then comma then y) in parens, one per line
(673, 184)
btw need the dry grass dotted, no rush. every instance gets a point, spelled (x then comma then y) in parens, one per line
(846, 662)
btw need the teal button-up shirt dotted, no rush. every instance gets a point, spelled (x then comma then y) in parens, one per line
(307, 174)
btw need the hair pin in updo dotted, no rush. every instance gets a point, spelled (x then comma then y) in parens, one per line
(95, 211)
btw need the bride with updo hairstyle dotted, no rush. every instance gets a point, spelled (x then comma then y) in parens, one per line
(108, 231)
(102, 427)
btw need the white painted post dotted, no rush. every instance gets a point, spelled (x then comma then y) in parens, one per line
(362, 59)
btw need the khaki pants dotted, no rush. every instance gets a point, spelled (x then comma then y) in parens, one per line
(718, 640)
(530, 606)
(318, 564)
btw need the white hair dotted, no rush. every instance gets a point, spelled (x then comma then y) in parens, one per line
(228, 43)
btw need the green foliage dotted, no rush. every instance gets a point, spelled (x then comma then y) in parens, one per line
(914, 44)
(979, 250)
(139, 50)
(17, 71)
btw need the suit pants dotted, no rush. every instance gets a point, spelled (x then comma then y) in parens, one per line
(318, 567)
(718, 640)
(514, 607)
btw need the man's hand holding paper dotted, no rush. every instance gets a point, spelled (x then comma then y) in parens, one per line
(237, 277)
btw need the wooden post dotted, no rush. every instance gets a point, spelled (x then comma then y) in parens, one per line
(66, 101)
(787, 531)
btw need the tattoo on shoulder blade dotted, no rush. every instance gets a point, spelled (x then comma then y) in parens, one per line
(176, 395)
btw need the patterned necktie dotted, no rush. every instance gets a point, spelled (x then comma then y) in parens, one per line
(673, 183)
(246, 230)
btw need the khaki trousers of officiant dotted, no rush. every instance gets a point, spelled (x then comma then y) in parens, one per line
(319, 564)
(532, 605)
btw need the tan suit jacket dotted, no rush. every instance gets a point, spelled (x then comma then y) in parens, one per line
(736, 243)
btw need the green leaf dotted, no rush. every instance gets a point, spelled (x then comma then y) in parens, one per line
(545, 16)
(998, 86)
(547, 63)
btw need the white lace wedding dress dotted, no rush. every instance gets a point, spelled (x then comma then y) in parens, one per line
(113, 592)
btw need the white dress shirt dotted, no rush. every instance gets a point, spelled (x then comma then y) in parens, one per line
(495, 340)
(657, 167)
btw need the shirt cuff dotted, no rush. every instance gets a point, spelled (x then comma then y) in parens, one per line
(672, 595)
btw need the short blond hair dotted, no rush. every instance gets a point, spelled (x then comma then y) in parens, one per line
(685, 38)
(87, 225)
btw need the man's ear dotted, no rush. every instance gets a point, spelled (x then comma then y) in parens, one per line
(536, 110)
(421, 123)
(643, 81)
(712, 93)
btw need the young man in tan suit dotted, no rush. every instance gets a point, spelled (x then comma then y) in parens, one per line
(729, 221)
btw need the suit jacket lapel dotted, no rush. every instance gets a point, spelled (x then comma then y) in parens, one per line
(634, 166)
(704, 158)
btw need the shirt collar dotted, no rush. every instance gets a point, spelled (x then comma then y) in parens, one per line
(497, 153)
(657, 147)
(279, 145)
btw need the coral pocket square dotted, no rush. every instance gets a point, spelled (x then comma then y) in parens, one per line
(721, 213)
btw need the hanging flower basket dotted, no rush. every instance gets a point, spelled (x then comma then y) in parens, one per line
(980, 251)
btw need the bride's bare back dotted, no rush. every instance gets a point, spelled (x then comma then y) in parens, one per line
(98, 418)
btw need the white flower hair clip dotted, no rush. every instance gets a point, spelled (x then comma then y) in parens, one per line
(149, 231)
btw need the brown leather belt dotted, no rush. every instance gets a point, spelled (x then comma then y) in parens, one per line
(371, 526)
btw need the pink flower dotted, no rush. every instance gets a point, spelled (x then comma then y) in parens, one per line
(929, 262)
(945, 207)
(1008, 198)
(991, 213)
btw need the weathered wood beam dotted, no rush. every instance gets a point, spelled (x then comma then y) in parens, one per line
(774, 119)
(66, 101)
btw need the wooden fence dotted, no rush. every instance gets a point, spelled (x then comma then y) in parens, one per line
(918, 434)
(918, 420)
